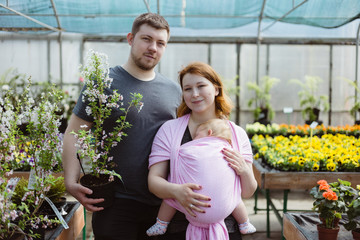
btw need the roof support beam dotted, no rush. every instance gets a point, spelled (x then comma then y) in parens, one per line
(356, 68)
(56, 15)
(277, 20)
(60, 43)
(258, 40)
(147, 5)
(31, 19)
(183, 17)
(22, 29)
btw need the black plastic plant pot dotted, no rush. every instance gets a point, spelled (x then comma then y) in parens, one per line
(101, 187)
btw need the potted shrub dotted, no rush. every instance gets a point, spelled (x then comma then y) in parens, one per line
(95, 143)
(263, 112)
(17, 82)
(17, 220)
(310, 102)
(43, 143)
(356, 107)
(353, 213)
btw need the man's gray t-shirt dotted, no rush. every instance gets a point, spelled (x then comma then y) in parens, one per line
(161, 97)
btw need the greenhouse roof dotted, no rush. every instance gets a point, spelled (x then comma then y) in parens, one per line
(115, 17)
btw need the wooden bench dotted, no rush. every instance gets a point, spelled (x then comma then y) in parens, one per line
(274, 179)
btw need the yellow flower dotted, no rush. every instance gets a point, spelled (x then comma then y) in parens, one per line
(315, 167)
(339, 151)
(263, 149)
(331, 166)
(301, 162)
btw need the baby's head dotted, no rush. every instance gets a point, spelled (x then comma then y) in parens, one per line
(214, 127)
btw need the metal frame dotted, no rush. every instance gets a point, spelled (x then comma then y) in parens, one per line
(48, 27)
(60, 42)
(291, 10)
(357, 65)
(258, 40)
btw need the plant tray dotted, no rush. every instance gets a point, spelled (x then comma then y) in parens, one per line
(268, 178)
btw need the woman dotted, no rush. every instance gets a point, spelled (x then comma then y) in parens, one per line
(203, 99)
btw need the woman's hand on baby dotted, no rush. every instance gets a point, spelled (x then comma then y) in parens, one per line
(236, 161)
(190, 200)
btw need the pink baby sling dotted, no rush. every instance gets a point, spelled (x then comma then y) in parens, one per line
(201, 161)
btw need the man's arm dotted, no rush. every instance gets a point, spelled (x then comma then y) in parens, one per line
(71, 165)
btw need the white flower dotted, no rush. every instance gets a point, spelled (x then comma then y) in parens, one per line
(5, 87)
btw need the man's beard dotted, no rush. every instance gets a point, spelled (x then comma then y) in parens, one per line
(141, 65)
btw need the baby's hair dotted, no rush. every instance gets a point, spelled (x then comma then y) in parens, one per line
(219, 127)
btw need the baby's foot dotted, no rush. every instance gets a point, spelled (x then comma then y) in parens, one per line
(159, 228)
(247, 228)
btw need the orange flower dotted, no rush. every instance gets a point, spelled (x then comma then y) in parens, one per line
(330, 195)
(324, 186)
(321, 182)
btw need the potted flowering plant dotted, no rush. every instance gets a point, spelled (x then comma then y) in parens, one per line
(17, 82)
(42, 140)
(95, 144)
(353, 213)
(18, 220)
(330, 203)
(263, 111)
(309, 101)
(356, 107)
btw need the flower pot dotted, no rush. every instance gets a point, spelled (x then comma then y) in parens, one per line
(356, 234)
(47, 210)
(314, 116)
(101, 187)
(14, 236)
(327, 233)
(40, 232)
(263, 117)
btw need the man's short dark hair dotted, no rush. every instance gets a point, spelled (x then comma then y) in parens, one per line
(152, 19)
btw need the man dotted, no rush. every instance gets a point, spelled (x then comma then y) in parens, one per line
(135, 207)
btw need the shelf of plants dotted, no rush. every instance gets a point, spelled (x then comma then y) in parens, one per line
(294, 157)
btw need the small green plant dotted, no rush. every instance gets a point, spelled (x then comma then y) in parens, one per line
(356, 107)
(21, 217)
(56, 191)
(309, 100)
(230, 86)
(353, 212)
(262, 96)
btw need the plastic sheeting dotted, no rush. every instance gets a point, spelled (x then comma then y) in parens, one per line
(306, 223)
(116, 16)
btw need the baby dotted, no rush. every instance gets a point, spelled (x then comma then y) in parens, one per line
(215, 128)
